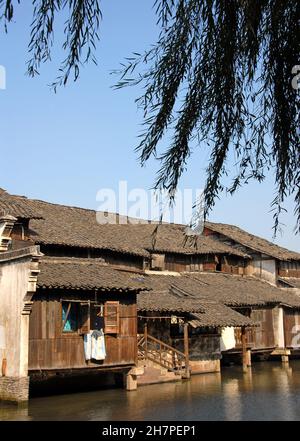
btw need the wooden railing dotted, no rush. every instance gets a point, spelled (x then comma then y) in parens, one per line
(150, 348)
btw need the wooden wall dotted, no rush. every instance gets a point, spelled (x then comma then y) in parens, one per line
(201, 347)
(232, 265)
(289, 269)
(111, 257)
(204, 262)
(21, 230)
(182, 262)
(50, 348)
(291, 320)
(263, 335)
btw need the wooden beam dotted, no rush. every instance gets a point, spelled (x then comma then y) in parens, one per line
(4, 367)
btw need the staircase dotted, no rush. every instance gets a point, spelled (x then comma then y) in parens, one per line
(160, 362)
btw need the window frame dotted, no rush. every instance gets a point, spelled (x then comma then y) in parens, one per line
(63, 322)
(112, 329)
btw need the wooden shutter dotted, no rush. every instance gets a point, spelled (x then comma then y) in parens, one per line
(111, 317)
(84, 318)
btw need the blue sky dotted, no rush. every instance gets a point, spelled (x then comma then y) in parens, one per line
(64, 147)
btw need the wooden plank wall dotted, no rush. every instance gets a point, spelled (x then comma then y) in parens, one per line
(291, 328)
(114, 258)
(181, 262)
(289, 269)
(263, 335)
(50, 348)
(232, 265)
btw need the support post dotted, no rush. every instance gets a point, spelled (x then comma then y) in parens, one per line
(186, 350)
(146, 339)
(244, 350)
(285, 358)
(249, 357)
(130, 381)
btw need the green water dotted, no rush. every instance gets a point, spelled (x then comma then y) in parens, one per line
(269, 391)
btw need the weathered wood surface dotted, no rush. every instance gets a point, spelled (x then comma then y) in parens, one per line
(289, 269)
(50, 348)
(263, 335)
(291, 328)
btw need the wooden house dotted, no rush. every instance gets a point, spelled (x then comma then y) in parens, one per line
(189, 323)
(19, 263)
(75, 297)
(263, 303)
(277, 265)
(196, 301)
(267, 260)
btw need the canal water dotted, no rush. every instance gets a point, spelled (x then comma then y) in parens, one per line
(269, 391)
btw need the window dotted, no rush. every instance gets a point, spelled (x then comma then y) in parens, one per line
(97, 319)
(111, 317)
(69, 317)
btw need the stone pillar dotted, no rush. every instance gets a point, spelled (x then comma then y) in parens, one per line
(131, 382)
(14, 389)
(130, 378)
(249, 357)
(17, 286)
(278, 321)
(285, 358)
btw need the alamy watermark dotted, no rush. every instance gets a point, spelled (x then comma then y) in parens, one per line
(296, 338)
(185, 207)
(2, 78)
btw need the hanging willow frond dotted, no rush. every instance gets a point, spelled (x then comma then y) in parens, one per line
(227, 65)
(81, 34)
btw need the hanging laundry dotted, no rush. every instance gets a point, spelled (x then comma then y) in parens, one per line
(87, 341)
(98, 351)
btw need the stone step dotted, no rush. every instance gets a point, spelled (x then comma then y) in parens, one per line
(154, 379)
(153, 373)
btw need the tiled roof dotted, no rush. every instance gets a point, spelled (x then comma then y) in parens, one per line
(292, 281)
(86, 274)
(197, 288)
(78, 227)
(218, 315)
(17, 206)
(253, 242)
(170, 294)
(236, 291)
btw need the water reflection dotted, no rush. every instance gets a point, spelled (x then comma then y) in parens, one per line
(268, 391)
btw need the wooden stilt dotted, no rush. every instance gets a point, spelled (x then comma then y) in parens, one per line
(186, 350)
(4, 367)
(146, 340)
(244, 350)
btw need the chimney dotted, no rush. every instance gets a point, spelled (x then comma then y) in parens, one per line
(7, 223)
